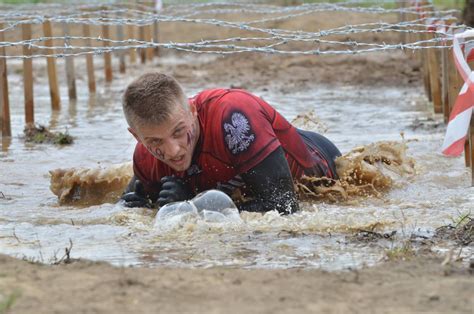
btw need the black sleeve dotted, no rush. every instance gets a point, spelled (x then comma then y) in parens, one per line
(272, 186)
(131, 185)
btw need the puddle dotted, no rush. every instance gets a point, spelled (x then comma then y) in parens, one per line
(35, 226)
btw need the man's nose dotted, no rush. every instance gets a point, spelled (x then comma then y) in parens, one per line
(171, 148)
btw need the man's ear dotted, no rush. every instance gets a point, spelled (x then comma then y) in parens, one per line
(134, 134)
(193, 110)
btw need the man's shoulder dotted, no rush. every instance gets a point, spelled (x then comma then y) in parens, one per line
(223, 96)
(142, 157)
(207, 95)
(145, 163)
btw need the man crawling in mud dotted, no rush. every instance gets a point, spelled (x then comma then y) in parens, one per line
(223, 139)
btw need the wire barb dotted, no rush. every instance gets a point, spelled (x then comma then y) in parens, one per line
(262, 39)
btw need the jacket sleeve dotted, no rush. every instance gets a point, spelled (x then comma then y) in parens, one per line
(272, 185)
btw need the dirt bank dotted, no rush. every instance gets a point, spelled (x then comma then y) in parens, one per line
(418, 285)
(289, 73)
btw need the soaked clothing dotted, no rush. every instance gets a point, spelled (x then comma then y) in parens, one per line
(238, 131)
(321, 147)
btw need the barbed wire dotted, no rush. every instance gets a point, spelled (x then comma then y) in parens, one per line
(206, 46)
(346, 29)
(270, 41)
(14, 19)
(289, 35)
(416, 26)
(145, 11)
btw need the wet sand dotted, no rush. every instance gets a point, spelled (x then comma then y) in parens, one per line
(417, 285)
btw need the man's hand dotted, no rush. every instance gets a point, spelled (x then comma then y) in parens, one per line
(173, 190)
(137, 198)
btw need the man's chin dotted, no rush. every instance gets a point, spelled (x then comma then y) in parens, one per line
(179, 168)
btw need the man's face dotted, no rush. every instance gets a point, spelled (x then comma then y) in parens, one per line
(172, 141)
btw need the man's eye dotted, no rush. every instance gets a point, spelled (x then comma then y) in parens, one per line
(178, 132)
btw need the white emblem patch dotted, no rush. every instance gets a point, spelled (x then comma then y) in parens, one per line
(238, 136)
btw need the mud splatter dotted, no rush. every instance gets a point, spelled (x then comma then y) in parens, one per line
(365, 171)
(309, 121)
(90, 186)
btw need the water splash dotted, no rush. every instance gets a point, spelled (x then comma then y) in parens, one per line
(90, 186)
(364, 171)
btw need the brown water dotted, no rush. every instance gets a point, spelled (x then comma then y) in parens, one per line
(33, 225)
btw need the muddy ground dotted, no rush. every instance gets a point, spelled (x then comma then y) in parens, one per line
(418, 285)
(408, 281)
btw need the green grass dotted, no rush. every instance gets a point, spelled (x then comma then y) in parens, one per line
(40, 134)
(449, 4)
(403, 252)
(7, 304)
(462, 218)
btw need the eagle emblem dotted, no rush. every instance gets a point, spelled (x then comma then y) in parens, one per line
(238, 134)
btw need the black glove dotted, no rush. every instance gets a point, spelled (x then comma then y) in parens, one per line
(137, 198)
(173, 189)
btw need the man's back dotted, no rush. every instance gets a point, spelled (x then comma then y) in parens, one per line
(238, 131)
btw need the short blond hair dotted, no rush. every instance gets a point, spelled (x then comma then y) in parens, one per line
(150, 98)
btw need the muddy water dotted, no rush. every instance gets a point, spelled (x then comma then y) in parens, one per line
(33, 225)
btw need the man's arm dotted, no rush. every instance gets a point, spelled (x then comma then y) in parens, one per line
(136, 196)
(272, 185)
(131, 185)
(170, 189)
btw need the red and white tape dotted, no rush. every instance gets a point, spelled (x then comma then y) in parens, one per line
(460, 118)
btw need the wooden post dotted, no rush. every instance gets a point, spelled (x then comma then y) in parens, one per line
(131, 35)
(426, 73)
(401, 5)
(468, 145)
(471, 148)
(408, 36)
(446, 55)
(70, 75)
(156, 37)
(467, 148)
(141, 34)
(107, 55)
(455, 81)
(155, 6)
(5, 109)
(412, 37)
(445, 84)
(121, 53)
(149, 39)
(51, 64)
(6, 142)
(28, 77)
(425, 57)
(455, 84)
(434, 61)
(89, 60)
